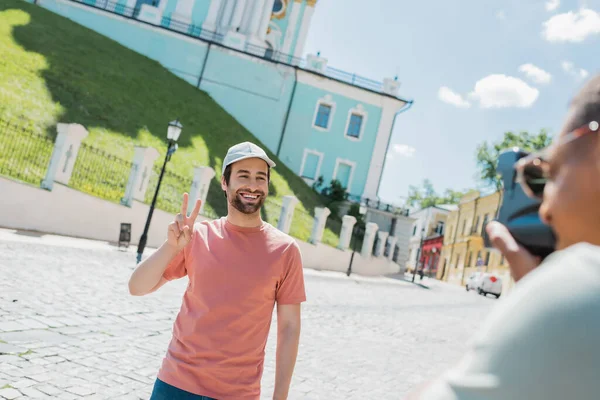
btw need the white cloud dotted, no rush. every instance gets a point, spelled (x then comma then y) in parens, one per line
(403, 150)
(501, 15)
(536, 74)
(500, 91)
(552, 5)
(572, 26)
(572, 70)
(446, 95)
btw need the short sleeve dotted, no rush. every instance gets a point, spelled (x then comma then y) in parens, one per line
(539, 344)
(291, 287)
(176, 268)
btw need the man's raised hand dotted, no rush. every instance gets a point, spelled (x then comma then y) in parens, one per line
(180, 230)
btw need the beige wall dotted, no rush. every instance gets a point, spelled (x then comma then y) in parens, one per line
(65, 211)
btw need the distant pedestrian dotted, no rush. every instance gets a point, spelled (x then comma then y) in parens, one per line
(541, 343)
(238, 267)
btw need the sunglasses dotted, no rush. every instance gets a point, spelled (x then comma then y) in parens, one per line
(533, 170)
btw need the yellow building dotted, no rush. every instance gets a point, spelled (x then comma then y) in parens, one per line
(463, 252)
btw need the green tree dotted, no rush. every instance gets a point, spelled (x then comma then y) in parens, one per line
(487, 153)
(426, 196)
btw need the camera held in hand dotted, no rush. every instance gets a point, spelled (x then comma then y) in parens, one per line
(518, 212)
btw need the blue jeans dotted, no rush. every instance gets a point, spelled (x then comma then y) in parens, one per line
(164, 391)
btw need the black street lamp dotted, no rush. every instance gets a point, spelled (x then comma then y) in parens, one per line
(355, 231)
(173, 133)
(418, 254)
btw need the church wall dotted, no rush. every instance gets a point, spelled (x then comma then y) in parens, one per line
(255, 92)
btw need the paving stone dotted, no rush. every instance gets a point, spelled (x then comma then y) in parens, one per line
(9, 393)
(24, 383)
(81, 390)
(49, 389)
(11, 326)
(33, 393)
(6, 348)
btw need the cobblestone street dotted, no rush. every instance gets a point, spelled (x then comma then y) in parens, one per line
(70, 329)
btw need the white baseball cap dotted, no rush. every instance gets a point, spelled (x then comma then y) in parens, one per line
(242, 151)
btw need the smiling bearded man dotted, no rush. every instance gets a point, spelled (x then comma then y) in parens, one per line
(238, 267)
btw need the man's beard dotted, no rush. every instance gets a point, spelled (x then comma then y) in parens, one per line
(235, 199)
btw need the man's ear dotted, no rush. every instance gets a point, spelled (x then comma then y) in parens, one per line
(223, 183)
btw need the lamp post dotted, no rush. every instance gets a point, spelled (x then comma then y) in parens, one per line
(418, 254)
(362, 211)
(173, 132)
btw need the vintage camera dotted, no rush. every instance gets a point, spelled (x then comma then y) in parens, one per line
(518, 212)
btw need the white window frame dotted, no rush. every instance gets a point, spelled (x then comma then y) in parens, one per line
(319, 163)
(358, 110)
(352, 165)
(327, 101)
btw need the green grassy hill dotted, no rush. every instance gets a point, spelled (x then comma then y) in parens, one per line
(54, 70)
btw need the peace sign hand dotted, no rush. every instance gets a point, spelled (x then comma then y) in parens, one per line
(180, 230)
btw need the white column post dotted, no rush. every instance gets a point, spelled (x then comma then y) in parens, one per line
(287, 213)
(238, 14)
(381, 241)
(348, 222)
(200, 185)
(143, 160)
(64, 154)
(234, 38)
(265, 19)
(183, 10)
(392, 246)
(210, 23)
(306, 18)
(321, 214)
(255, 18)
(226, 16)
(294, 7)
(367, 248)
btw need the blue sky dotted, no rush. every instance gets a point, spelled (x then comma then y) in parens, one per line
(475, 69)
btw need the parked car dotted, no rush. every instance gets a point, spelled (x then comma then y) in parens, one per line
(484, 283)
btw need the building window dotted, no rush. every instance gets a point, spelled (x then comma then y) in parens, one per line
(311, 165)
(464, 229)
(476, 225)
(324, 113)
(354, 126)
(344, 171)
(356, 123)
(439, 229)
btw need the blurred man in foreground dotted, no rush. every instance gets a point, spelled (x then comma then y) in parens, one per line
(542, 341)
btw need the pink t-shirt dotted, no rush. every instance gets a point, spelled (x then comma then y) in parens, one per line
(235, 277)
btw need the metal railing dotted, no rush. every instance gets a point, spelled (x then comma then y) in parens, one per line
(172, 23)
(172, 188)
(99, 173)
(24, 153)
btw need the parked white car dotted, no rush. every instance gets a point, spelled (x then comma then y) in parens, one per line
(485, 283)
